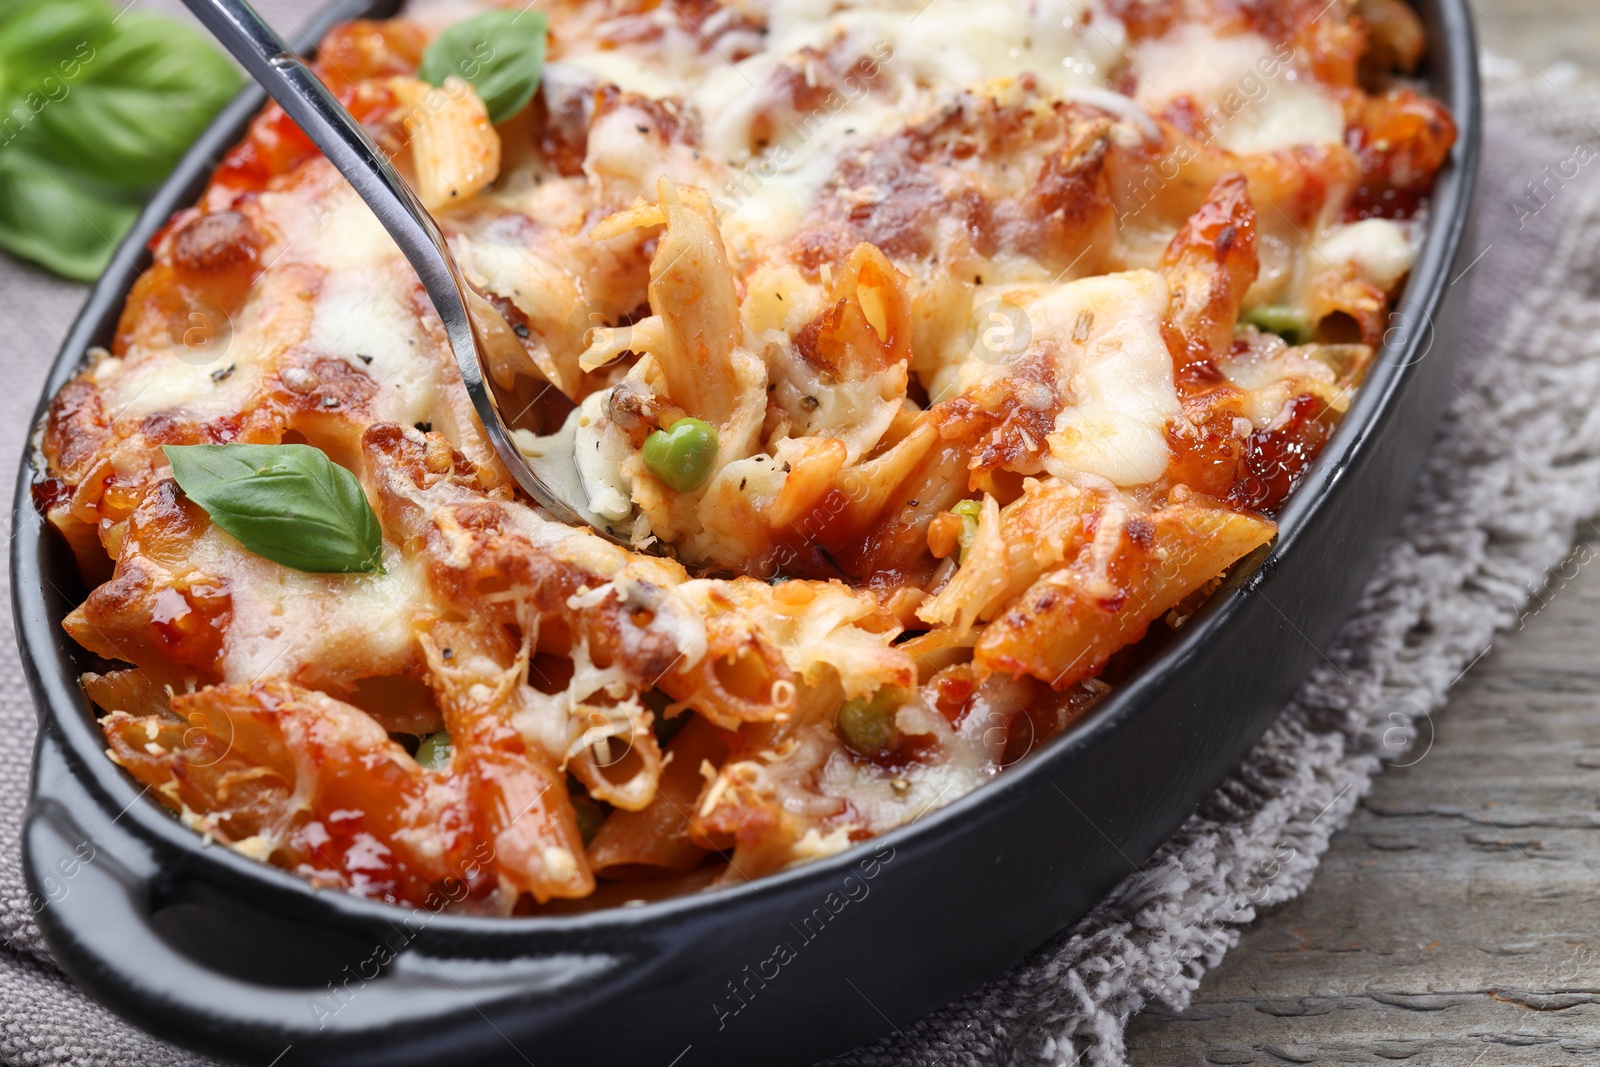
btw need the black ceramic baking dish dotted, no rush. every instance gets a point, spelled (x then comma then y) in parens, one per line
(233, 957)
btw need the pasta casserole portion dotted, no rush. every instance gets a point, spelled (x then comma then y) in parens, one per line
(935, 359)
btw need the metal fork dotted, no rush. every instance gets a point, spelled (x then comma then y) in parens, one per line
(342, 139)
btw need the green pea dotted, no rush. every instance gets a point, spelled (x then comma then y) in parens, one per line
(1287, 322)
(866, 725)
(681, 455)
(969, 510)
(434, 751)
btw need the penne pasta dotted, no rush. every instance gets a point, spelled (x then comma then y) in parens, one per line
(1070, 621)
(455, 152)
(657, 837)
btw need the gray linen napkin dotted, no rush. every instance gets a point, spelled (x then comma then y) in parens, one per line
(1515, 469)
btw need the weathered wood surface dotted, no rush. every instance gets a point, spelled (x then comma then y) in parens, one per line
(1456, 921)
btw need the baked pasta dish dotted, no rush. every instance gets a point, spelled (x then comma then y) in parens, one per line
(934, 358)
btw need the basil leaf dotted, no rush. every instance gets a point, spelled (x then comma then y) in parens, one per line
(500, 52)
(149, 91)
(93, 108)
(43, 47)
(288, 503)
(61, 220)
(48, 38)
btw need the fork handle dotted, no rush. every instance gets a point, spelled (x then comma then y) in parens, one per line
(349, 148)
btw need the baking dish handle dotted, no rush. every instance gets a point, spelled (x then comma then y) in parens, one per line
(93, 887)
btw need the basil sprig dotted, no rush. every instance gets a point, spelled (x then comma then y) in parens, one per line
(501, 53)
(94, 110)
(288, 503)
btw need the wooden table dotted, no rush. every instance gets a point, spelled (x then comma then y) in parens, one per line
(1456, 921)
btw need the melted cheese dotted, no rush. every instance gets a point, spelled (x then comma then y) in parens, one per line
(1114, 392)
(922, 53)
(135, 390)
(1119, 373)
(285, 620)
(1249, 96)
(968, 756)
(599, 453)
(1376, 250)
(1293, 113)
(814, 631)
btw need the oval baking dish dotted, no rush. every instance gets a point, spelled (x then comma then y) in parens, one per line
(217, 952)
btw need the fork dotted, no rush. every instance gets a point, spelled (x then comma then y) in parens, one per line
(301, 94)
